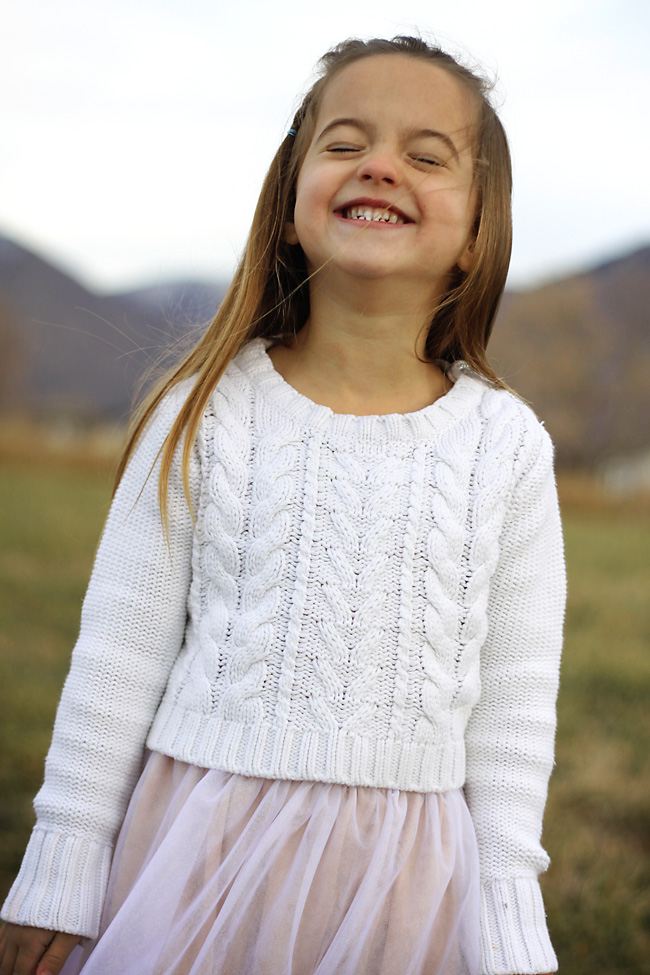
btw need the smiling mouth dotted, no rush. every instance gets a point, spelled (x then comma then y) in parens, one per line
(372, 214)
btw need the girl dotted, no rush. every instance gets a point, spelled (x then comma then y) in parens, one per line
(328, 599)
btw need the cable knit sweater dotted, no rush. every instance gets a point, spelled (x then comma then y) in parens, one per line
(372, 600)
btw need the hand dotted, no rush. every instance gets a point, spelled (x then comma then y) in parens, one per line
(34, 951)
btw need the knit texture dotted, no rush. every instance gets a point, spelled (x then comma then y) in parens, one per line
(372, 600)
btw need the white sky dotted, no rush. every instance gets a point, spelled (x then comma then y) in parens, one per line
(136, 133)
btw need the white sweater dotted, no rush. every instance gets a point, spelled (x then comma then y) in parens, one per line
(372, 600)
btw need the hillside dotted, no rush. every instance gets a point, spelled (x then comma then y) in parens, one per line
(577, 348)
(70, 350)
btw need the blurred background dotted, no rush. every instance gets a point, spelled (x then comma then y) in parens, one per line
(135, 138)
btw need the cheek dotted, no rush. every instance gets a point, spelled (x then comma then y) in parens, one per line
(472, 206)
(311, 212)
(305, 227)
(456, 208)
(310, 194)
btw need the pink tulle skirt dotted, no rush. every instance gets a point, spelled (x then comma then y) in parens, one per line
(222, 874)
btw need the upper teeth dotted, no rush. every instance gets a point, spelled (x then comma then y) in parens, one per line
(368, 213)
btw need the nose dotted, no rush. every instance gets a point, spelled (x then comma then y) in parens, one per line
(379, 167)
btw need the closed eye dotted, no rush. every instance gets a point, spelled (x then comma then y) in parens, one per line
(343, 149)
(427, 160)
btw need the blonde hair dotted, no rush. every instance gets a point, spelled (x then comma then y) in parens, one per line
(269, 295)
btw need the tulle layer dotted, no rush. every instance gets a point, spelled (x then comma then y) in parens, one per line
(216, 872)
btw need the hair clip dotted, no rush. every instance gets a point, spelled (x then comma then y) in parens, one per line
(292, 132)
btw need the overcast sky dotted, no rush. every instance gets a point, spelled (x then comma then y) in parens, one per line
(136, 133)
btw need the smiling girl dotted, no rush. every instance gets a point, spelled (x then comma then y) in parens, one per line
(308, 725)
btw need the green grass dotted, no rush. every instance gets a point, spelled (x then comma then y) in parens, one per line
(50, 520)
(597, 826)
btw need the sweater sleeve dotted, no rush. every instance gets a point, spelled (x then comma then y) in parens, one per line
(511, 730)
(132, 625)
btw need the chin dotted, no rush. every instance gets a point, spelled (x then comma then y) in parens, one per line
(374, 273)
(364, 269)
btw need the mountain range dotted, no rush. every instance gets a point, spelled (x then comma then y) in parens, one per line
(576, 348)
(65, 349)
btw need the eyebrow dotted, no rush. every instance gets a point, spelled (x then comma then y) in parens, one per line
(411, 134)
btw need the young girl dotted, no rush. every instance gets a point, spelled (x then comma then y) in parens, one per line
(313, 695)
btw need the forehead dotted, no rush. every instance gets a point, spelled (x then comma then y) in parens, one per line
(400, 88)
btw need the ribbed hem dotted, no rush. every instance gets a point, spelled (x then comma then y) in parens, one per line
(280, 751)
(514, 936)
(61, 884)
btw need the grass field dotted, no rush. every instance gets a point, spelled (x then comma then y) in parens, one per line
(597, 827)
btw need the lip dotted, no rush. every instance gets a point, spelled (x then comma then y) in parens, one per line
(376, 204)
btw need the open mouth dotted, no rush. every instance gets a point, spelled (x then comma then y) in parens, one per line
(373, 214)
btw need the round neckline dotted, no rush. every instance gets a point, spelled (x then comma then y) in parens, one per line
(423, 423)
(267, 344)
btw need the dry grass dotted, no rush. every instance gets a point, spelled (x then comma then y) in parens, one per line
(66, 443)
(580, 492)
(597, 826)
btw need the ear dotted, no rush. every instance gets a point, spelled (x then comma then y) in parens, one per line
(290, 236)
(466, 260)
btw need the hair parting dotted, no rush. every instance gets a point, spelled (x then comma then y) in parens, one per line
(269, 297)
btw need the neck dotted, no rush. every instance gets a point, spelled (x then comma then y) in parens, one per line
(361, 350)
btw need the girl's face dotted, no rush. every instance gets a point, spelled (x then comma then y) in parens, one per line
(386, 187)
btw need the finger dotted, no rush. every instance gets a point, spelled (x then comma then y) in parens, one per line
(8, 960)
(31, 944)
(57, 954)
(30, 949)
(26, 959)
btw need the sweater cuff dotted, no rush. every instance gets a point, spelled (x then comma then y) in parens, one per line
(514, 936)
(61, 884)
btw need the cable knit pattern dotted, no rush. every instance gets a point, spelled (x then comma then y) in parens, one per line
(371, 600)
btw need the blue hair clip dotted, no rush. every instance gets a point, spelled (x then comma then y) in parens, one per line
(292, 132)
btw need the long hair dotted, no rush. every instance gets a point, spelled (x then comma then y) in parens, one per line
(269, 294)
